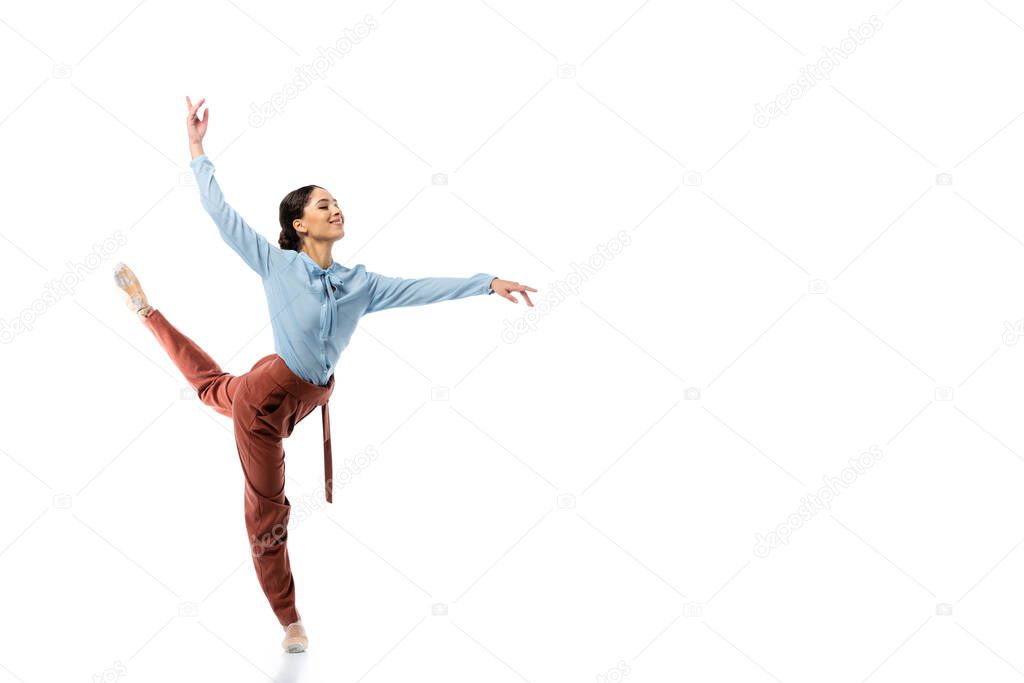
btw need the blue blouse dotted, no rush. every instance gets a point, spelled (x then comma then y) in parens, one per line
(313, 311)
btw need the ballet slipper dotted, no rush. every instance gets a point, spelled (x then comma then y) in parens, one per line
(295, 638)
(135, 298)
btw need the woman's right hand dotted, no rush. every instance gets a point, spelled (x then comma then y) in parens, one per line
(196, 127)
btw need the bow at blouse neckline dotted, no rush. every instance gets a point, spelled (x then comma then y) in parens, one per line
(327, 278)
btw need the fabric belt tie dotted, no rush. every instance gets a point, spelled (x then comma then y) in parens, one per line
(309, 393)
(328, 458)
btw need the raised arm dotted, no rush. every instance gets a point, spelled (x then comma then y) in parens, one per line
(253, 247)
(392, 292)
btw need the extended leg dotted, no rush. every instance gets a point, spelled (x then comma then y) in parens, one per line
(215, 387)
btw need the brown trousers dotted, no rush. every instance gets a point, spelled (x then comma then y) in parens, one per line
(265, 404)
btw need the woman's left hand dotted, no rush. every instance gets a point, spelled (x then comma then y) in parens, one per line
(503, 287)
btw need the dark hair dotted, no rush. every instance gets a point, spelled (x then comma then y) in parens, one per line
(292, 206)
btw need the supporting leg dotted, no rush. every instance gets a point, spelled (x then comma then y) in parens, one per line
(260, 450)
(267, 509)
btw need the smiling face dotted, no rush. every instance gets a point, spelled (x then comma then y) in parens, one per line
(322, 219)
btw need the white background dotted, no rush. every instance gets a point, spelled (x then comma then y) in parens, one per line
(813, 279)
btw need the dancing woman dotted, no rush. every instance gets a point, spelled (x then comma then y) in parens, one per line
(315, 304)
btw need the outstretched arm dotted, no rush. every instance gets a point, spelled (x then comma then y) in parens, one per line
(253, 247)
(392, 292)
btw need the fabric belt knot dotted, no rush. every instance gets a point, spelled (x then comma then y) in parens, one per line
(309, 393)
